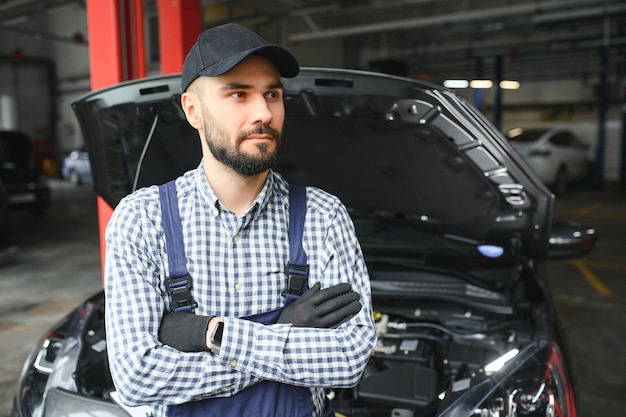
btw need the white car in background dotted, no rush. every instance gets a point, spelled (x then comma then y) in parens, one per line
(557, 154)
(76, 167)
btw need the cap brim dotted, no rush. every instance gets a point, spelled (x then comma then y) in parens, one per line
(286, 63)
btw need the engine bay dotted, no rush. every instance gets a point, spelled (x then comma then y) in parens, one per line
(421, 353)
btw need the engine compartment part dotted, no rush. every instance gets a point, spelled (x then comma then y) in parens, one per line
(402, 385)
(416, 361)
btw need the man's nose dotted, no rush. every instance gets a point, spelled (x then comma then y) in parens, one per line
(261, 112)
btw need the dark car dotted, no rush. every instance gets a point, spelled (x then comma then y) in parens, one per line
(76, 167)
(454, 227)
(24, 186)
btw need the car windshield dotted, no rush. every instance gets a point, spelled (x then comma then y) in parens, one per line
(524, 135)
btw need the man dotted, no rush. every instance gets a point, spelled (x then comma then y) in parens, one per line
(223, 360)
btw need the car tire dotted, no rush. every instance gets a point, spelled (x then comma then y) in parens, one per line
(561, 181)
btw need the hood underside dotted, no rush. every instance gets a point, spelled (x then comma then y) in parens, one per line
(387, 146)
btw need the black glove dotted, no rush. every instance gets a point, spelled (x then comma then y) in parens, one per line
(184, 331)
(326, 308)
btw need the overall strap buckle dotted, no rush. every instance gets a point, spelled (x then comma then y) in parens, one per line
(297, 279)
(179, 290)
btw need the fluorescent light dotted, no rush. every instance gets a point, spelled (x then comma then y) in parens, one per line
(515, 132)
(481, 83)
(456, 83)
(509, 85)
(14, 3)
(61, 7)
(16, 20)
(504, 84)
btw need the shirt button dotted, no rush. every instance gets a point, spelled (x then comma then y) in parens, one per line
(232, 363)
(238, 287)
(236, 238)
(215, 212)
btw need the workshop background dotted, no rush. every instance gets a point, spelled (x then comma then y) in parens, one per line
(566, 55)
(541, 63)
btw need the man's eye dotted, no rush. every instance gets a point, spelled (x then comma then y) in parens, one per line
(238, 94)
(272, 94)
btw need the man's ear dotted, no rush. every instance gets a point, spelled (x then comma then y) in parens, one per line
(191, 107)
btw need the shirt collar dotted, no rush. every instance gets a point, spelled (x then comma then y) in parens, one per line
(275, 186)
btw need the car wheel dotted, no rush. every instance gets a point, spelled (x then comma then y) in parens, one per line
(561, 181)
(75, 178)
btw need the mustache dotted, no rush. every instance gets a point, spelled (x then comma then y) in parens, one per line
(260, 130)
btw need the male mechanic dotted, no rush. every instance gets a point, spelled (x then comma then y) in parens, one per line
(240, 349)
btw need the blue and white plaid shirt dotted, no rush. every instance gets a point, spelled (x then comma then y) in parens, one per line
(237, 265)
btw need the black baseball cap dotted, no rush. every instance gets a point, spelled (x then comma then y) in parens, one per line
(219, 49)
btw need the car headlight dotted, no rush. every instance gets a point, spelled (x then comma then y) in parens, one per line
(530, 383)
(47, 385)
(34, 377)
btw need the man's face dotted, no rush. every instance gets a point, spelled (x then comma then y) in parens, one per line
(243, 114)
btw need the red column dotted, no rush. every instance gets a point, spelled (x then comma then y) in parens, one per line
(116, 41)
(133, 20)
(116, 54)
(179, 26)
(105, 56)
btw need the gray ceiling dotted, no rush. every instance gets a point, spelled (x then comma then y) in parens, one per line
(536, 39)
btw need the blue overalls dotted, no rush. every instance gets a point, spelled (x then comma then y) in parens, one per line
(266, 398)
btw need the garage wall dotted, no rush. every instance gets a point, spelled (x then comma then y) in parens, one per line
(43, 109)
(72, 73)
(25, 86)
(324, 53)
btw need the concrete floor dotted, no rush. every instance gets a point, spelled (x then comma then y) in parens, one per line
(58, 263)
(591, 297)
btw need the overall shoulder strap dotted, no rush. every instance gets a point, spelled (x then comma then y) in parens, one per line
(297, 268)
(179, 282)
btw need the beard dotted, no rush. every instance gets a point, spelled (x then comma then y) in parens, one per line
(232, 156)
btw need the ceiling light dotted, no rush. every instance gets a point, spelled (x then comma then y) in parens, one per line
(481, 84)
(13, 4)
(514, 132)
(509, 85)
(16, 20)
(456, 83)
(60, 7)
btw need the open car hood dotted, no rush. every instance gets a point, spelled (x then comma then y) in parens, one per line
(389, 147)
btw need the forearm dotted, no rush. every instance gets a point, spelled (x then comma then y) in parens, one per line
(309, 356)
(143, 369)
(148, 372)
(314, 356)
(300, 355)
